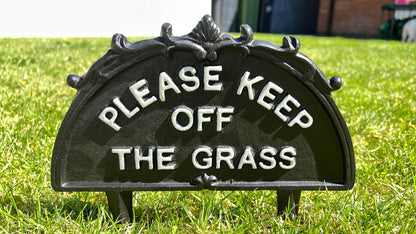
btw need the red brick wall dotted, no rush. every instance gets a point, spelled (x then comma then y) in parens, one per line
(352, 17)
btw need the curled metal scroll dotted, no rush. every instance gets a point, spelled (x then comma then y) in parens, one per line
(204, 42)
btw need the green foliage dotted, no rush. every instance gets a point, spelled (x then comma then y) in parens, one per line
(377, 100)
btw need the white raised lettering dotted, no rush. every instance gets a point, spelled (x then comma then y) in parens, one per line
(248, 84)
(247, 158)
(208, 77)
(291, 159)
(139, 91)
(164, 162)
(265, 93)
(138, 157)
(184, 77)
(264, 155)
(221, 118)
(109, 121)
(207, 160)
(226, 154)
(284, 105)
(188, 113)
(121, 152)
(202, 111)
(124, 109)
(298, 120)
(166, 83)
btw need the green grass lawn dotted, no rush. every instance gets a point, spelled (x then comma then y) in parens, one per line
(377, 100)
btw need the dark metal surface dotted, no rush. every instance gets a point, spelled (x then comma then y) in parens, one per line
(288, 203)
(203, 111)
(121, 205)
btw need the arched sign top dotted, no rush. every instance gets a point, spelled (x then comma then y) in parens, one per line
(203, 111)
(205, 40)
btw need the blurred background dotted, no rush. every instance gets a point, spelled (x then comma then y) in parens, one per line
(96, 18)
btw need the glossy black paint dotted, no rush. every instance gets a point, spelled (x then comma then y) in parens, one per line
(82, 158)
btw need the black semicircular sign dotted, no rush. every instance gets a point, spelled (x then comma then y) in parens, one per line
(203, 111)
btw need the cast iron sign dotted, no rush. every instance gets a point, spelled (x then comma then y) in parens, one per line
(202, 111)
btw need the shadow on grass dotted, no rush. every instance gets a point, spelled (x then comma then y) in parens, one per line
(77, 209)
(20, 208)
(188, 211)
(184, 210)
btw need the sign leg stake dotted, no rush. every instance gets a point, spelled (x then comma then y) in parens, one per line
(288, 201)
(121, 205)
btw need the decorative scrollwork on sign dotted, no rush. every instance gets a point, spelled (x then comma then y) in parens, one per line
(207, 31)
(204, 180)
(205, 39)
(204, 42)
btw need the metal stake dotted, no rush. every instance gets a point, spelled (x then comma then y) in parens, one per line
(288, 203)
(121, 205)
